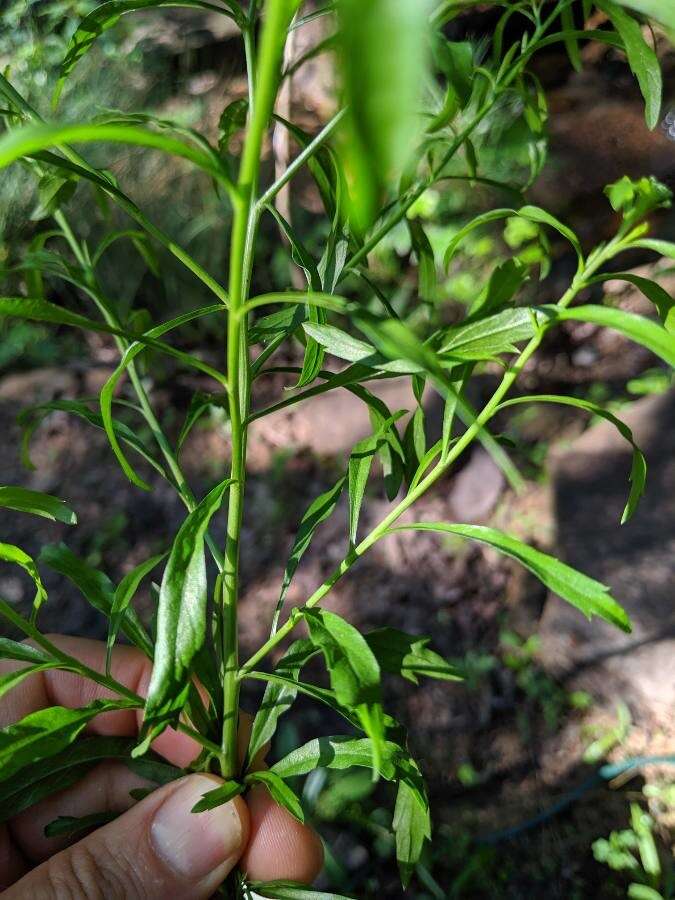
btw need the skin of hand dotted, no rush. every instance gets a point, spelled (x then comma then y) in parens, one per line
(156, 848)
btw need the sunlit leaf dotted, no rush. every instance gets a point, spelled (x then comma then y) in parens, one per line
(37, 503)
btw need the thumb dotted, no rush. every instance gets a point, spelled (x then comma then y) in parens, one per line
(158, 848)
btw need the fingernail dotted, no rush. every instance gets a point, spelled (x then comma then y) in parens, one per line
(195, 844)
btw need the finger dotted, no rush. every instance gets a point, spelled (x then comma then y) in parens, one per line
(280, 847)
(12, 864)
(156, 849)
(57, 688)
(103, 789)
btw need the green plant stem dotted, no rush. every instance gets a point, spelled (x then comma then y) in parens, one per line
(265, 78)
(472, 432)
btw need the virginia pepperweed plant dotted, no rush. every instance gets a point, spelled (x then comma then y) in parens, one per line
(413, 112)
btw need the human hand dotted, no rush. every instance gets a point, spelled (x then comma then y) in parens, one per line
(156, 848)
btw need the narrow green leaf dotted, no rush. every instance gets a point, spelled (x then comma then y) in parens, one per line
(488, 337)
(10, 680)
(588, 595)
(10, 649)
(638, 473)
(653, 291)
(232, 119)
(409, 656)
(316, 513)
(639, 329)
(181, 619)
(31, 139)
(219, 796)
(280, 792)
(383, 58)
(97, 589)
(278, 697)
(123, 596)
(37, 503)
(290, 890)
(108, 14)
(642, 59)
(46, 732)
(571, 43)
(29, 419)
(12, 554)
(412, 826)
(338, 752)
(353, 670)
(426, 261)
(72, 826)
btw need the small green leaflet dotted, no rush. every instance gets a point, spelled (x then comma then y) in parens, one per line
(181, 619)
(108, 14)
(24, 500)
(10, 680)
(639, 329)
(638, 474)
(641, 57)
(353, 670)
(279, 696)
(338, 752)
(653, 291)
(10, 553)
(46, 732)
(317, 512)
(280, 792)
(343, 345)
(588, 595)
(412, 825)
(29, 419)
(488, 337)
(219, 796)
(122, 598)
(10, 649)
(71, 826)
(409, 656)
(289, 890)
(528, 213)
(96, 587)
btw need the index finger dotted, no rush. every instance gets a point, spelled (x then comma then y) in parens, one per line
(54, 687)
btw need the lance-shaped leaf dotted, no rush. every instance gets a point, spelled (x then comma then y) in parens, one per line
(279, 696)
(181, 619)
(345, 346)
(13, 554)
(96, 587)
(280, 792)
(46, 732)
(290, 890)
(412, 823)
(637, 328)
(653, 291)
(488, 337)
(638, 472)
(108, 14)
(641, 57)
(10, 680)
(383, 51)
(338, 752)
(124, 594)
(528, 213)
(408, 655)
(29, 419)
(587, 594)
(37, 503)
(353, 670)
(10, 649)
(72, 826)
(219, 796)
(316, 513)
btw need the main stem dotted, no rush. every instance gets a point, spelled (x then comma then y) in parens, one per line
(264, 73)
